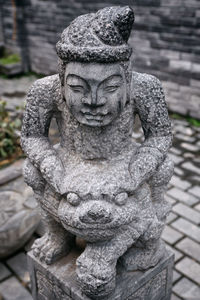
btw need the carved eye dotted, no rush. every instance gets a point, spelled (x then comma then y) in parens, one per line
(121, 198)
(76, 88)
(111, 89)
(73, 199)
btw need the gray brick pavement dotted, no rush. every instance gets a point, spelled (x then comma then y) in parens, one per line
(178, 171)
(19, 266)
(190, 248)
(187, 212)
(187, 228)
(171, 236)
(190, 147)
(186, 289)
(176, 276)
(197, 207)
(172, 216)
(191, 167)
(189, 268)
(195, 190)
(182, 196)
(12, 289)
(179, 183)
(174, 297)
(185, 216)
(177, 254)
(4, 272)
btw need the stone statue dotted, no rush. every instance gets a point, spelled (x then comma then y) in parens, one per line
(98, 183)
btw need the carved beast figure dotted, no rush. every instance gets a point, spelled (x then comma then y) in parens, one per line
(97, 183)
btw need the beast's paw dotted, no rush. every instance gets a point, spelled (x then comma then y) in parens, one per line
(96, 276)
(143, 258)
(50, 248)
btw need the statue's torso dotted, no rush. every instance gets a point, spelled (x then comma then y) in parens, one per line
(98, 182)
(96, 162)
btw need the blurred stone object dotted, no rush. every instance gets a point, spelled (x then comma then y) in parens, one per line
(99, 184)
(9, 68)
(19, 215)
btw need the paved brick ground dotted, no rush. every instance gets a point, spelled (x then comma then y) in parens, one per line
(182, 233)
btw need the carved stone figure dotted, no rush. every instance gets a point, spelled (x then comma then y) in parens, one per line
(98, 183)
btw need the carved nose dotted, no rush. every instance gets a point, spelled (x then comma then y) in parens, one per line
(94, 100)
(90, 99)
(97, 214)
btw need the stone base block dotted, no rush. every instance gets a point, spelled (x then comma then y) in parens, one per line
(58, 281)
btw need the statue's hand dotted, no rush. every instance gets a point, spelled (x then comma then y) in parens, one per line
(141, 168)
(53, 172)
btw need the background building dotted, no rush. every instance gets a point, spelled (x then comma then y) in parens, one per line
(165, 39)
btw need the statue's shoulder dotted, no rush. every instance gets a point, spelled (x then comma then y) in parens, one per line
(144, 82)
(47, 83)
(45, 90)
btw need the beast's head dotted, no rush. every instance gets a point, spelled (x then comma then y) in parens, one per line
(98, 214)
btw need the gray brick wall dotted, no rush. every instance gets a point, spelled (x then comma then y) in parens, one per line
(165, 40)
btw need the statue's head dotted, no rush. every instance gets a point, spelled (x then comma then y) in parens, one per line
(94, 58)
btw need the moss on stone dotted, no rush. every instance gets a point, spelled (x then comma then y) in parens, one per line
(10, 59)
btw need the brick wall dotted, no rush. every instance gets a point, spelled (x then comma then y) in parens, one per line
(165, 40)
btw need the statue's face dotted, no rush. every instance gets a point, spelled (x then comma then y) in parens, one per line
(95, 93)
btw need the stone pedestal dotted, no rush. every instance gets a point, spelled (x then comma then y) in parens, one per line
(58, 281)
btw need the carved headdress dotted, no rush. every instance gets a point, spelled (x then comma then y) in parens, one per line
(98, 37)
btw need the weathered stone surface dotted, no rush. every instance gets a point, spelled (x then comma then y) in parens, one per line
(98, 184)
(58, 281)
(14, 90)
(11, 172)
(19, 215)
(11, 69)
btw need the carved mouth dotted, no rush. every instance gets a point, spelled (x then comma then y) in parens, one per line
(94, 116)
(98, 227)
(91, 233)
(91, 117)
(94, 112)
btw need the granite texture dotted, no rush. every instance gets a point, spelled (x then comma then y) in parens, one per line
(110, 26)
(58, 281)
(98, 183)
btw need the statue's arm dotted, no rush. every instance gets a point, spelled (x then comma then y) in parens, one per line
(40, 109)
(150, 105)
